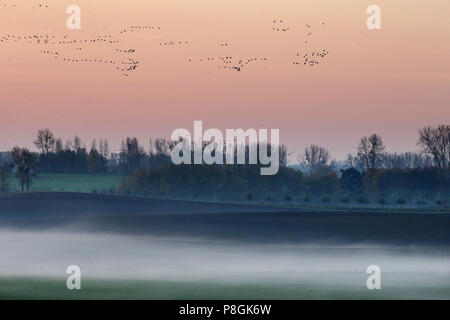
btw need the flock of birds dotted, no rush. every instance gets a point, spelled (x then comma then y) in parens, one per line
(278, 26)
(68, 49)
(228, 62)
(173, 43)
(311, 59)
(13, 5)
(138, 28)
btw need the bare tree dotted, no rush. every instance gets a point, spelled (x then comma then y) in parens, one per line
(25, 163)
(406, 160)
(315, 157)
(150, 148)
(354, 162)
(370, 151)
(436, 142)
(68, 145)
(77, 144)
(94, 145)
(58, 145)
(283, 155)
(161, 146)
(45, 141)
(104, 148)
(132, 153)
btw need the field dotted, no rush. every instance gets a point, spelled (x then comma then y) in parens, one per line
(54, 289)
(71, 182)
(109, 184)
(142, 248)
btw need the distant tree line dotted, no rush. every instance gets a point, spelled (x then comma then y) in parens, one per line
(372, 174)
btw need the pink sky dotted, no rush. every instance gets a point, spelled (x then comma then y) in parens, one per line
(390, 81)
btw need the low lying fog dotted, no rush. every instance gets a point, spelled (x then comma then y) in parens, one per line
(108, 256)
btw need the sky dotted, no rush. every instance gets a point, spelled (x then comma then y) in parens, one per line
(391, 81)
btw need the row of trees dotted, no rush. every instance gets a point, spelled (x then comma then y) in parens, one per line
(152, 171)
(371, 173)
(75, 157)
(434, 144)
(231, 182)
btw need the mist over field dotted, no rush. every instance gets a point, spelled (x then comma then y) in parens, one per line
(130, 247)
(118, 257)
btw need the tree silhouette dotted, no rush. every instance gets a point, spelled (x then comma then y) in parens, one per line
(45, 141)
(370, 150)
(25, 163)
(315, 157)
(436, 141)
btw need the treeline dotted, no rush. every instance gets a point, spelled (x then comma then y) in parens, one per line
(417, 186)
(75, 157)
(371, 175)
(214, 182)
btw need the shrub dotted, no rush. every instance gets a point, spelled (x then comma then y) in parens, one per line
(351, 180)
(429, 179)
(345, 199)
(363, 200)
(287, 198)
(442, 201)
(401, 201)
(381, 201)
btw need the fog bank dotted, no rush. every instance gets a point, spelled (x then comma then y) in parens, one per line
(109, 256)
